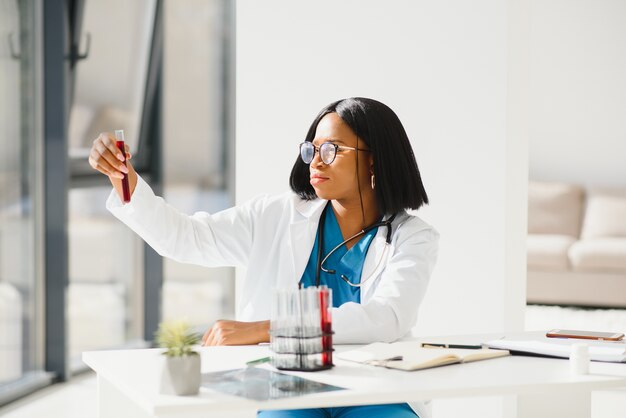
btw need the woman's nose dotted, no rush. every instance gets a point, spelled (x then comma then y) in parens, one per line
(316, 161)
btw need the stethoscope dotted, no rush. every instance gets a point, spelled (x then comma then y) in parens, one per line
(320, 261)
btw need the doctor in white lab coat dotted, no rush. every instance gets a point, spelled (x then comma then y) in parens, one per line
(356, 171)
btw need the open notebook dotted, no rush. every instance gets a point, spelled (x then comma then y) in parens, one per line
(409, 355)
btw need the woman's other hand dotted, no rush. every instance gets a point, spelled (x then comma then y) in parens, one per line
(108, 159)
(225, 332)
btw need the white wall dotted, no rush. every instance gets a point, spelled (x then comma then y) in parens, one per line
(455, 77)
(578, 92)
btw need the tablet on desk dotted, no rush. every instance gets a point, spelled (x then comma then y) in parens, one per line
(586, 335)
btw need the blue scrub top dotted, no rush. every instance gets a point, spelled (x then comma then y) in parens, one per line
(343, 261)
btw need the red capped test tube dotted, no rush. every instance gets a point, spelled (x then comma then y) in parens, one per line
(119, 142)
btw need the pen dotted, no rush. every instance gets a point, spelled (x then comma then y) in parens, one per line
(258, 361)
(439, 345)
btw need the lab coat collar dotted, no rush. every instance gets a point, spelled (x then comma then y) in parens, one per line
(308, 208)
(378, 255)
(302, 233)
(374, 264)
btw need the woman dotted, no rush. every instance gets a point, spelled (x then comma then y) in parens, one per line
(345, 226)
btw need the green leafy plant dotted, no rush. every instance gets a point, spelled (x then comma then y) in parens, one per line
(177, 337)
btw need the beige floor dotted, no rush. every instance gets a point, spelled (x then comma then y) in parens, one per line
(77, 398)
(73, 399)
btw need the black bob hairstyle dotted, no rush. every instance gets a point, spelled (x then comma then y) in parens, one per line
(398, 180)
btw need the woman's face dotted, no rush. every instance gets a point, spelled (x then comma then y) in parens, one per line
(338, 180)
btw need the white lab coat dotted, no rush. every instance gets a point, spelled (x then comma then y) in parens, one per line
(273, 237)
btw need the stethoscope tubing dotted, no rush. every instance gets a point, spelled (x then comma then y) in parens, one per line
(320, 234)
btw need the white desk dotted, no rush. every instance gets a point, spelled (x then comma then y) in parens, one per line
(128, 382)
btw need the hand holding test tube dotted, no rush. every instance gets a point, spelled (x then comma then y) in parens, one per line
(109, 155)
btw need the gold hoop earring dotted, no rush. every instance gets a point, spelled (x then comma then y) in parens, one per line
(373, 182)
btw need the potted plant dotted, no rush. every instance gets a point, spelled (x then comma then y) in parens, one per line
(181, 369)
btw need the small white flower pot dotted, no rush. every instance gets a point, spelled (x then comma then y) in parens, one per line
(181, 375)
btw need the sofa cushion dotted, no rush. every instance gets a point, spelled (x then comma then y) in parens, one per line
(599, 254)
(548, 252)
(554, 208)
(605, 215)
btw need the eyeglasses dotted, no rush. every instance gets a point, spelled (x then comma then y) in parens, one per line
(327, 151)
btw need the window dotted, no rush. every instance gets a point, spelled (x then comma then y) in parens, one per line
(105, 292)
(196, 155)
(21, 259)
(72, 277)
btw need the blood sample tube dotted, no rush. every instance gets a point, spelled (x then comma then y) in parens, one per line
(325, 295)
(119, 141)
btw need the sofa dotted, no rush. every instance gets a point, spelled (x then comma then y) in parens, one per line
(576, 245)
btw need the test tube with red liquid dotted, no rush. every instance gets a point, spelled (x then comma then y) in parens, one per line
(119, 141)
(325, 295)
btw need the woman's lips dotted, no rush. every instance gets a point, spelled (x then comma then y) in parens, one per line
(315, 180)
